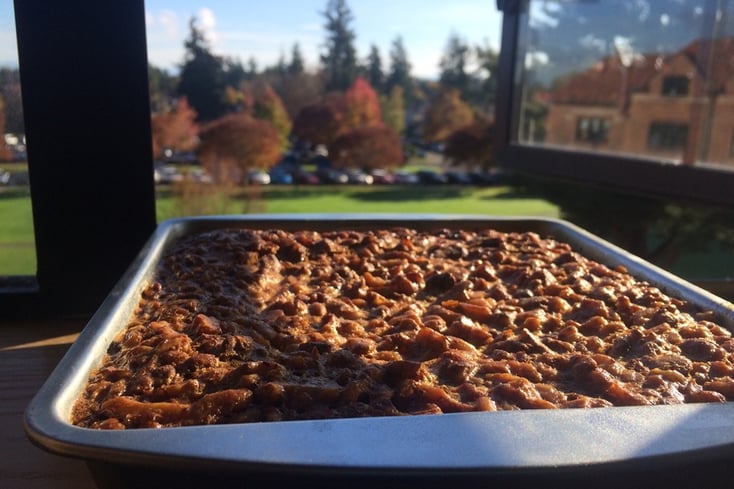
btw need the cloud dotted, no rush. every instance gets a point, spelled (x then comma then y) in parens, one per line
(208, 24)
(589, 41)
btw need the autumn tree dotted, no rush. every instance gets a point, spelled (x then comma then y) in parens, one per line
(446, 113)
(176, 129)
(367, 147)
(4, 151)
(471, 145)
(361, 105)
(393, 109)
(202, 79)
(11, 94)
(321, 122)
(340, 59)
(268, 106)
(236, 143)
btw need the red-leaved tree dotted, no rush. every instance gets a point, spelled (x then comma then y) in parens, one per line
(471, 145)
(369, 147)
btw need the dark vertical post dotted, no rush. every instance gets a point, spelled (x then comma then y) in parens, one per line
(506, 79)
(83, 68)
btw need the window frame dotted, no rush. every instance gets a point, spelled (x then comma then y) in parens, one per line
(703, 183)
(90, 159)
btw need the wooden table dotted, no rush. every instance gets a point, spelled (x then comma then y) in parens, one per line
(28, 354)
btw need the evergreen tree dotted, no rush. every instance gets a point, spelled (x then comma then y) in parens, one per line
(297, 65)
(373, 70)
(202, 79)
(454, 63)
(340, 59)
(399, 69)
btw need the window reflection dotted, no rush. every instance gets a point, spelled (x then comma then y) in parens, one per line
(630, 77)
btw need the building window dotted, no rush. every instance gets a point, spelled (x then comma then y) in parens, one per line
(667, 135)
(592, 129)
(675, 86)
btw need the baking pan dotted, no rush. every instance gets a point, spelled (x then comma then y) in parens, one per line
(675, 446)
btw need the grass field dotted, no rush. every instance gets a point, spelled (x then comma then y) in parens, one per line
(17, 254)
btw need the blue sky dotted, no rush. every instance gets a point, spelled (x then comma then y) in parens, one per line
(266, 29)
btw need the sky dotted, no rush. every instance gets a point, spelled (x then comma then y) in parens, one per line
(265, 30)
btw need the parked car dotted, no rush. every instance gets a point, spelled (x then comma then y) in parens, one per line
(305, 178)
(333, 176)
(279, 177)
(359, 177)
(430, 177)
(490, 177)
(258, 177)
(382, 177)
(405, 178)
(165, 174)
(458, 177)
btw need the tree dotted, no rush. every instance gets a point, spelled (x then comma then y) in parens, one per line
(454, 63)
(446, 113)
(393, 109)
(11, 94)
(368, 147)
(399, 74)
(175, 130)
(4, 151)
(471, 145)
(361, 105)
(268, 106)
(297, 65)
(488, 61)
(202, 79)
(373, 69)
(236, 143)
(321, 122)
(340, 58)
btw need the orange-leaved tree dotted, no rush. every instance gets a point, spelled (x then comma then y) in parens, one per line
(236, 143)
(446, 113)
(176, 129)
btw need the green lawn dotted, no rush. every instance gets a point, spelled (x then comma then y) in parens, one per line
(17, 254)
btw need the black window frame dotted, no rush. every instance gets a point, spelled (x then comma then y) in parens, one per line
(702, 183)
(84, 77)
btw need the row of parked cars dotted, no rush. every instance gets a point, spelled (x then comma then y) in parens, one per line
(377, 177)
(168, 174)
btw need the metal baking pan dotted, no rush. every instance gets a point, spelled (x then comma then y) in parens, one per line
(666, 445)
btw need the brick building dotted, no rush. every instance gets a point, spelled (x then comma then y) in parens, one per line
(678, 107)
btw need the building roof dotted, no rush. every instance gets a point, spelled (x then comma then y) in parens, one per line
(604, 82)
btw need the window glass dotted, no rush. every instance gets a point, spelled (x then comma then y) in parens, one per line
(657, 78)
(17, 250)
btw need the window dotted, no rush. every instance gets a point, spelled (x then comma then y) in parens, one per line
(675, 86)
(592, 129)
(667, 136)
(563, 62)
